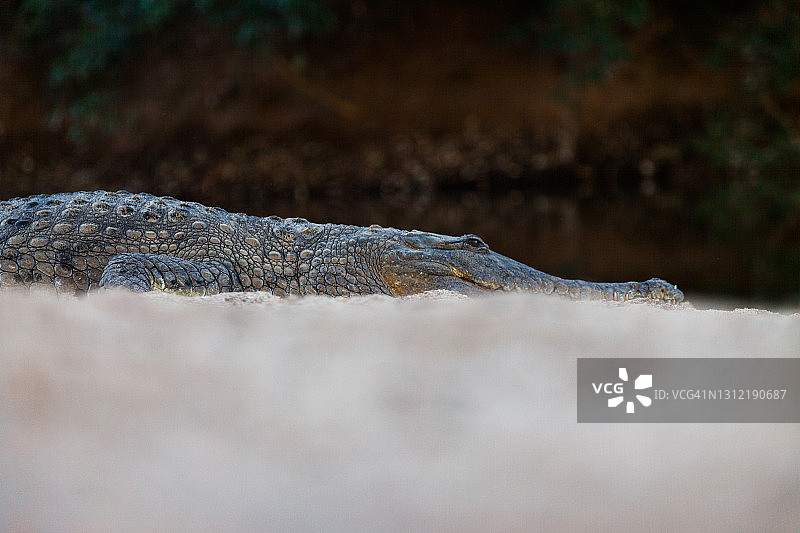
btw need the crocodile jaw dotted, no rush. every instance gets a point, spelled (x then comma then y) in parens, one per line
(416, 262)
(411, 270)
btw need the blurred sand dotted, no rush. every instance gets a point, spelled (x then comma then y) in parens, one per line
(247, 413)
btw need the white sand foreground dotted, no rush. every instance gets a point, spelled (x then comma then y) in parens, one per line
(136, 413)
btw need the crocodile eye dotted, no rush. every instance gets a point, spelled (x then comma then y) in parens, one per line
(474, 242)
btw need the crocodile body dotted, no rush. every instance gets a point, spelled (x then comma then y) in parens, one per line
(78, 242)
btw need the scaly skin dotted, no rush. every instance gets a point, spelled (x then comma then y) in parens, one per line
(78, 242)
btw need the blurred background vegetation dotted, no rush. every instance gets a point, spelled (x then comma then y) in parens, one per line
(602, 139)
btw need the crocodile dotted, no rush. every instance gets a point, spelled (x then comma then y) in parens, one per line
(79, 242)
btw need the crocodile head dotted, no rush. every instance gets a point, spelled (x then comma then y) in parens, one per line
(413, 261)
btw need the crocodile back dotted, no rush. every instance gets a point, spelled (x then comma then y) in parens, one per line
(65, 240)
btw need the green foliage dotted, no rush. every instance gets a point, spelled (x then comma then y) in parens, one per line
(85, 41)
(255, 22)
(763, 45)
(589, 35)
(89, 36)
(86, 38)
